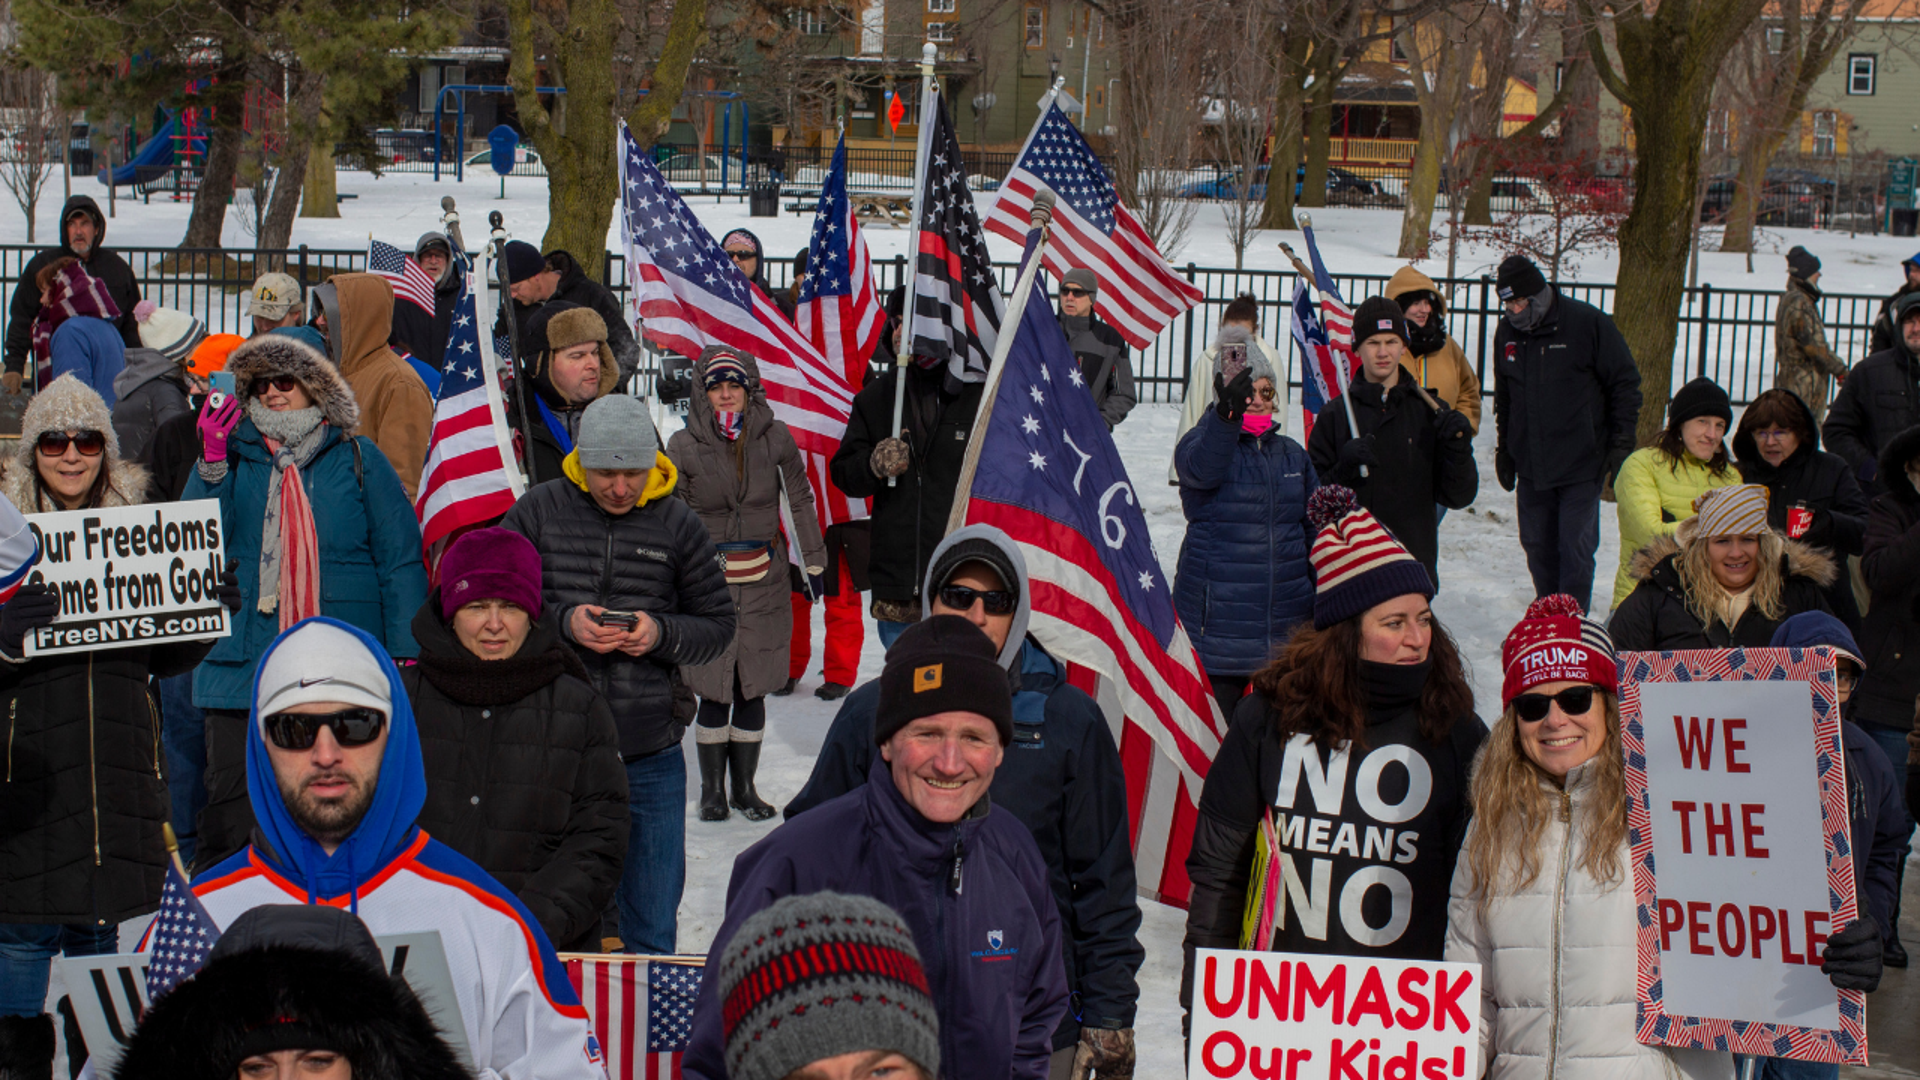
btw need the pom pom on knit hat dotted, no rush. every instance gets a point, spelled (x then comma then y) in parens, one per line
(1559, 603)
(1356, 562)
(1556, 642)
(1329, 504)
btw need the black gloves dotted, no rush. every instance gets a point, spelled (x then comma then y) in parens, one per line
(1853, 956)
(1353, 455)
(1451, 424)
(1230, 399)
(1616, 458)
(32, 607)
(1503, 469)
(229, 588)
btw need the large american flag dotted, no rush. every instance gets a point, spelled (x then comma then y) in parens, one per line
(691, 296)
(1139, 293)
(641, 1009)
(181, 937)
(956, 307)
(470, 477)
(1050, 476)
(409, 281)
(1334, 312)
(839, 311)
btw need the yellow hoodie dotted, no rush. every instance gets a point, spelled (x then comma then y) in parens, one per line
(661, 479)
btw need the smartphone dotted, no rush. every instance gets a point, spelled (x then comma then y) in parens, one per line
(626, 620)
(1233, 361)
(220, 388)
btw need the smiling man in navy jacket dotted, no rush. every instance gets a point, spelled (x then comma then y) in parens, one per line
(923, 837)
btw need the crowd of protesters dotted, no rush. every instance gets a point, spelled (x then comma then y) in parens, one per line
(488, 742)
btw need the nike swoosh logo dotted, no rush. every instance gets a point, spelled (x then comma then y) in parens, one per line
(316, 682)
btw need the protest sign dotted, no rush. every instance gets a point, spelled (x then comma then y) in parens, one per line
(130, 575)
(1742, 864)
(1289, 1016)
(109, 994)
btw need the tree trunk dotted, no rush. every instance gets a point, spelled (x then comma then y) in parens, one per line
(307, 102)
(209, 215)
(1289, 99)
(319, 197)
(1313, 186)
(650, 119)
(1749, 189)
(1423, 187)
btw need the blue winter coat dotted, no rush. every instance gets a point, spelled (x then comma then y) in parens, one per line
(90, 349)
(370, 570)
(987, 928)
(1244, 580)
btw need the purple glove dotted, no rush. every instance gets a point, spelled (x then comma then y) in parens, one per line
(215, 425)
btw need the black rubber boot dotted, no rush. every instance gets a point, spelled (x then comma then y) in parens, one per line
(787, 689)
(713, 781)
(26, 1047)
(832, 691)
(743, 759)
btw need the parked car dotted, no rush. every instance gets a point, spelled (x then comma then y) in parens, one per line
(1795, 198)
(1342, 186)
(686, 168)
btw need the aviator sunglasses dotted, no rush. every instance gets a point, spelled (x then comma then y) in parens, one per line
(1574, 701)
(350, 727)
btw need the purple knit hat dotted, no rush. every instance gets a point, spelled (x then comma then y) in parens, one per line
(490, 564)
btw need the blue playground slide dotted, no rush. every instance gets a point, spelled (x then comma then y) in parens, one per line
(151, 161)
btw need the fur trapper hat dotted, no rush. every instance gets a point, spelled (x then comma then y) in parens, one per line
(558, 325)
(282, 354)
(68, 404)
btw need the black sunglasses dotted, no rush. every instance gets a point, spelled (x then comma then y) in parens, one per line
(54, 443)
(350, 727)
(282, 383)
(961, 598)
(1574, 701)
(742, 256)
(1069, 291)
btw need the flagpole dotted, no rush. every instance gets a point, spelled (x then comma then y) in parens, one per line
(1042, 219)
(499, 244)
(904, 355)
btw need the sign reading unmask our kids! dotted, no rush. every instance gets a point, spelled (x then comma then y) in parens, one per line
(1275, 1016)
(130, 575)
(1737, 812)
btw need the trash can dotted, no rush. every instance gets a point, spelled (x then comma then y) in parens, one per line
(764, 200)
(1905, 221)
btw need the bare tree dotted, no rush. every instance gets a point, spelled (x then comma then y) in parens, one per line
(1243, 91)
(1440, 51)
(1159, 114)
(33, 134)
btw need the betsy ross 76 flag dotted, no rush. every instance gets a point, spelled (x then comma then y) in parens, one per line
(1050, 477)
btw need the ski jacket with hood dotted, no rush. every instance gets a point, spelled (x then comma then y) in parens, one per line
(1652, 495)
(1890, 630)
(523, 1019)
(101, 262)
(1879, 400)
(1062, 778)
(1828, 487)
(1655, 617)
(973, 891)
(396, 411)
(1435, 360)
(90, 350)
(151, 392)
(1566, 394)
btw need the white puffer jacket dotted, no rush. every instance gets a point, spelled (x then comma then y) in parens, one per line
(1557, 965)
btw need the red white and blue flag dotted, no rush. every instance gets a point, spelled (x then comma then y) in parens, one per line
(19, 549)
(641, 1010)
(1139, 293)
(470, 477)
(955, 312)
(181, 937)
(1334, 312)
(409, 282)
(839, 312)
(1050, 477)
(690, 295)
(1319, 381)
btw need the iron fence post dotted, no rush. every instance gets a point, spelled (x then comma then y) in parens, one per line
(1700, 346)
(1188, 368)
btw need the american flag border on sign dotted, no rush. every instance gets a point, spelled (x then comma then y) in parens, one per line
(1653, 1024)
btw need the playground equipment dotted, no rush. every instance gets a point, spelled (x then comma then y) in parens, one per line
(153, 159)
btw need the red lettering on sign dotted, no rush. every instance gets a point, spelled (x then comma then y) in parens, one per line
(1671, 919)
(1446, 1003)
(1341, 1066)
(1815, 939)
(1696, 926)
(1750, 831)
(1723, 829)
(1761, 919)
(1272, 1070)
(1264, 987)
(1234, 1046)
(1371, 1000)
(1334, 990)
(1232, 1004)
(1694, 741)
(1685, 810)
(1739, 944)
(1734, 746)
(1786, 941)
(1410, 980)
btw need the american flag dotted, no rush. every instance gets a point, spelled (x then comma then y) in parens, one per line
(1050, 476)
(470, 477)
(1334, 312)
(641, 1010)
(691, 296)
(956, 299)
(19, 549)
(409, 281)
(182, 936)
(1139, 293)
(839, 312)
(1320, 379)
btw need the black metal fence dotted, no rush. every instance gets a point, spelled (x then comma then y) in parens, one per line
(1725, 334)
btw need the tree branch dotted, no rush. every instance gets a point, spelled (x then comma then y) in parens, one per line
(653, 113)
(521, 74)
(1597, 53)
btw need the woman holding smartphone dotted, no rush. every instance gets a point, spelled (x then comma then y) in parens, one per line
(1243, 582)
(320, 525)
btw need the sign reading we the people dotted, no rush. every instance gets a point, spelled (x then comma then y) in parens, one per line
(1742, 862)
(1284, 1016)
(130, 575)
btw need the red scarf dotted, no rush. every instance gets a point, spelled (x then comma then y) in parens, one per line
(75, 292)
(299, 546)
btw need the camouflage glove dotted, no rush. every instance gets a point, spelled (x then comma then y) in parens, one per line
(889, 458)
(1105, 1052)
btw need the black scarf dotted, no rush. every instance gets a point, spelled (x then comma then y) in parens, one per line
(1426, 340)
(1392, 689)
(469, 680)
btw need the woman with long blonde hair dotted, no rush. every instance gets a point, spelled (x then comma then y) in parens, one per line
(1543, 896)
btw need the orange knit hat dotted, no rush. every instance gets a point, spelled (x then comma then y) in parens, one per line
(211, 354)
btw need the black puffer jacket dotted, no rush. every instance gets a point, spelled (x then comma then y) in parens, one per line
(655, 558)
(909, 518)
(523, 772)
(101, 262)
(1890, 631)
(1654, 617)
(1825, 483)
(1882, 337)
(1416, 467)
(1335, 833)
(1565, 396)
(1880, 399)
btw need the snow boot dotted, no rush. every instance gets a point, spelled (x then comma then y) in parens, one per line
(713, 781)
(832, 691)
(26, 1047)
(787, 689)
(743, 760)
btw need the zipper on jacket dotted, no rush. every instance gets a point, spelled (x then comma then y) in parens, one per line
(153, 720)
(13, 706)
(1559, 909)
(93, 763)
(959, 857)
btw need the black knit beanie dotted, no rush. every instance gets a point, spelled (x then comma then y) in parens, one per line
(942, 664)
(1701, 397)
(1379, 315)
(1802, 263)
(1519, 279)
(523, 261)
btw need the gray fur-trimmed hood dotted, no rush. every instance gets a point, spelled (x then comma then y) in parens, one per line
(70, 405)
(280, 354)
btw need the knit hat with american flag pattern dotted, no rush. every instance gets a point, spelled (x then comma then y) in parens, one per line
(1356, 562)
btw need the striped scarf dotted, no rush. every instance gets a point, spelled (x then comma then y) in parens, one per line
(289, 545)
(729, 423)
(75, 292)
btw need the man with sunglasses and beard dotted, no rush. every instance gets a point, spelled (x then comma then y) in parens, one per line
(1061, 778)
(335, 774)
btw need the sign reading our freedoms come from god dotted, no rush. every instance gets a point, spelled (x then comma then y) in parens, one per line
(130, 575)
(1742, 861)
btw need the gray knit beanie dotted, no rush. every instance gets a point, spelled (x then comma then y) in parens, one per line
(617, 433)
(1235, 334)
(817, 976)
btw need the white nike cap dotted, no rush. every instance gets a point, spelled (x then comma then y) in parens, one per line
(320, 662)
